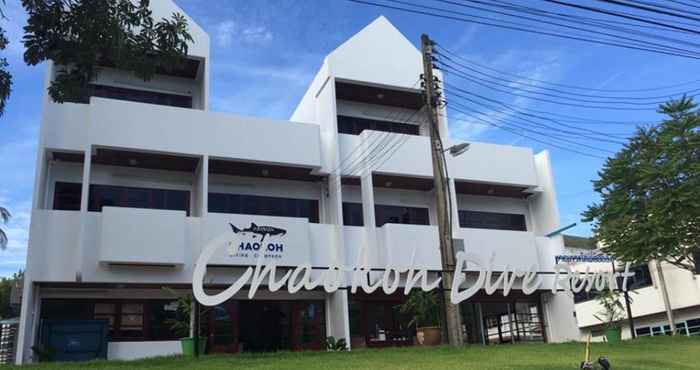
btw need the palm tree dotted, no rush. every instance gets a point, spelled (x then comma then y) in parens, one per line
(4, 216)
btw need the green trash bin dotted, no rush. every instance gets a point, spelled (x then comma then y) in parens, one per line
(613, 335)
(188, 346)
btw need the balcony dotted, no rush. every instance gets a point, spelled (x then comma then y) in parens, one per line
(398, 154)
(400, 242)
(495, 164)
(136, 236)
(148, 127)
(517, 249)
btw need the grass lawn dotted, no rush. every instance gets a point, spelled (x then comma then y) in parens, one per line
(648, 353)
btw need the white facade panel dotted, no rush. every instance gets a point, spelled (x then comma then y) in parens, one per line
(142, 236)
(514, 249)
(499, 164)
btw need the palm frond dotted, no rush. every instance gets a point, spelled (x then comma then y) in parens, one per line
(3, 239)
(5, 215)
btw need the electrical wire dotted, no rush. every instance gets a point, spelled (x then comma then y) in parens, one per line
(443, 50)
(529, 29)
(617, 99)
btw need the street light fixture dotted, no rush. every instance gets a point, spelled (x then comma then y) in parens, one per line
(458, 149)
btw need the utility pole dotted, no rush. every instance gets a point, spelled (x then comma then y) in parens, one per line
(664, 295)
(452, 324)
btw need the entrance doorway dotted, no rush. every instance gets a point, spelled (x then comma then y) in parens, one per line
(265, 326)
(499, 321)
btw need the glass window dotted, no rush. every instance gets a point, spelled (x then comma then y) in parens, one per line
(693, 326)
(66, 196)
(160, 316)
(492, 220)
(401, 215)
(123, 196)
(106, 311)
(131, 320)
(643, 332)
(264, 206)
(355, 125)
(140, 96)
(352, 214)
(641, 278)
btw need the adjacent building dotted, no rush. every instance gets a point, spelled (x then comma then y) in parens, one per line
(645, 294)
(133, 181)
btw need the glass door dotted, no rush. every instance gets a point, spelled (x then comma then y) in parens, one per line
(223, 328)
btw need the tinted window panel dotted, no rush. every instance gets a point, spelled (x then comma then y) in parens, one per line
(491, 220)
(263, 206)
(401, 215)
(352, 214)
(140, 96)
(122, 196)
(66, 196)
(355, 125)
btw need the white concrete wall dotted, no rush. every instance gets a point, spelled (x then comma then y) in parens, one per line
(140, 350)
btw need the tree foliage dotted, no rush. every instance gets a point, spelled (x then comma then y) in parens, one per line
(650, 192)
(5, 76)
(79, 35)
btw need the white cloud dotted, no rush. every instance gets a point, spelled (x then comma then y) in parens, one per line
(224, 33)
(228, 32)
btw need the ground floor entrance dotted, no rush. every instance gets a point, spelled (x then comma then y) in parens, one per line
(264, 326)
(498, 320)
(238, 325)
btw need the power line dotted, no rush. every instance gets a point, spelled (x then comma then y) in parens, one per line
(531, 10)
(521, 77)
(526, 128)
(487, 85)
(532, 138)
(560, 117)
(529, 29)
(649, 9)
(621, 99)
(580, 131)
(621, 15)
(575, 26)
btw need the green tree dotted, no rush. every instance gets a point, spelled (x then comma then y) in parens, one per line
(5, 76)
(7, 284)
(650, 192)
(78, 35)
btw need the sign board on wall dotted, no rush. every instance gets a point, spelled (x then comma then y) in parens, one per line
(283, 241)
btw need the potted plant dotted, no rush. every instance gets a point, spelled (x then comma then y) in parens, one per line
(613, 312)
(181, 324)
(425, 309)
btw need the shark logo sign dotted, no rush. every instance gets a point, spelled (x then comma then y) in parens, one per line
(252, 242)
(259, 230)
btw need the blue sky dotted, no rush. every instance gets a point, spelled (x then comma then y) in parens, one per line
(265, 53)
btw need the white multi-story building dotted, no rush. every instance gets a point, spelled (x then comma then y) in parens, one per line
(135, 180)
(646, 300)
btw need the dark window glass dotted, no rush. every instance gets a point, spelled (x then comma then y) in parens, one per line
(491, 220)
(122, 196)
(140, 96)
(693, 326)
(641, 332)
(355, 125)
(161, 315)
(352, 214)
(641, 278)
(401, 215)
(128, 320)
(263, 206)
(66, 196)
